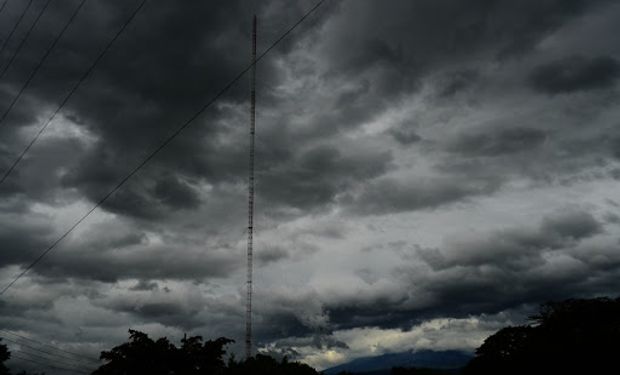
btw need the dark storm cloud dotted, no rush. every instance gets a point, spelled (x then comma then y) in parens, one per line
(116, 251)
(21, 239)
(518, 248)
(457, 82)
(143, 285)
(141, 262)
(500, 142)
(176, 193)
(155, 310)
(158, 191)
(438, 30)
(280, 324)
(502, 271)
(162, 308)
(161, 70)
(575, 73)
(404, 135)
(272, 254)
(170, 60)
(389, 195)
(486, 275)
(288, 313)
(315, 177)
(180, 220)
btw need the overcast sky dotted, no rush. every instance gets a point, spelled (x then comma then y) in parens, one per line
(428, 171)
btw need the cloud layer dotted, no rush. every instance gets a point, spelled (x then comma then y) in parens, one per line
(416, 162)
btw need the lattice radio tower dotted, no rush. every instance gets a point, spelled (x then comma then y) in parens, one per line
(248, 301)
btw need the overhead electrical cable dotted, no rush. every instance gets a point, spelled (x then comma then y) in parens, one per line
(3, 5)
(161, 146)
(70, 93)
(7, 332)
(57, 361)
(23, 41)
(22, 357)
(60, 356)
(15, 26)
(41, 61)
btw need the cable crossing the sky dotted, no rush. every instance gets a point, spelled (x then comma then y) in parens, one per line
(74, 359)
(47, 365)
(52, 347)
(57, 361)
(161, 146)
(75, 87)
(41, 61)
(3, 5)
(15, 26)
(23, 41)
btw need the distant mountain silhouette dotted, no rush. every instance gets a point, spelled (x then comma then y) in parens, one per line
(448, 359)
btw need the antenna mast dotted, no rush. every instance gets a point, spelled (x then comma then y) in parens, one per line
(248, 301)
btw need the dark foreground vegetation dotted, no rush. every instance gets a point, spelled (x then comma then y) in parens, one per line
(577, 336)
(142, 355)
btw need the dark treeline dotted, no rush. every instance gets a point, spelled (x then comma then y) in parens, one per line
(142, 355)
(4, 355)
(577, 336)
(572, 336)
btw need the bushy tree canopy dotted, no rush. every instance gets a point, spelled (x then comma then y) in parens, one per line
(265, 365)
(142, 355)
(4, 356)
(573, 336)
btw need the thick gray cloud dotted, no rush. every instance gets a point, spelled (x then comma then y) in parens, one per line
(505, 141)
(390, 195)
(517, 248)
(489, 274)
(415, 161)
(576, 73)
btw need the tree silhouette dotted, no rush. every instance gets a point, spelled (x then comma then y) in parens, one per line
(4, 356)
(573, 336)
(266, 365)
(142, 355)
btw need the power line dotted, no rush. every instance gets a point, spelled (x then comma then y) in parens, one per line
(26, 359)
(30, 347)
(163, 144)
(57, 360)
(19, 20)
(71, 92)
(41, 61)
(3, 5)
(82, 360)
(23, 41)
(48, 345)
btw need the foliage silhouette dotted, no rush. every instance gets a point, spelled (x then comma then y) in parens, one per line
(266, 365)
(4, 356)
(573, 336)
(142, 355)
